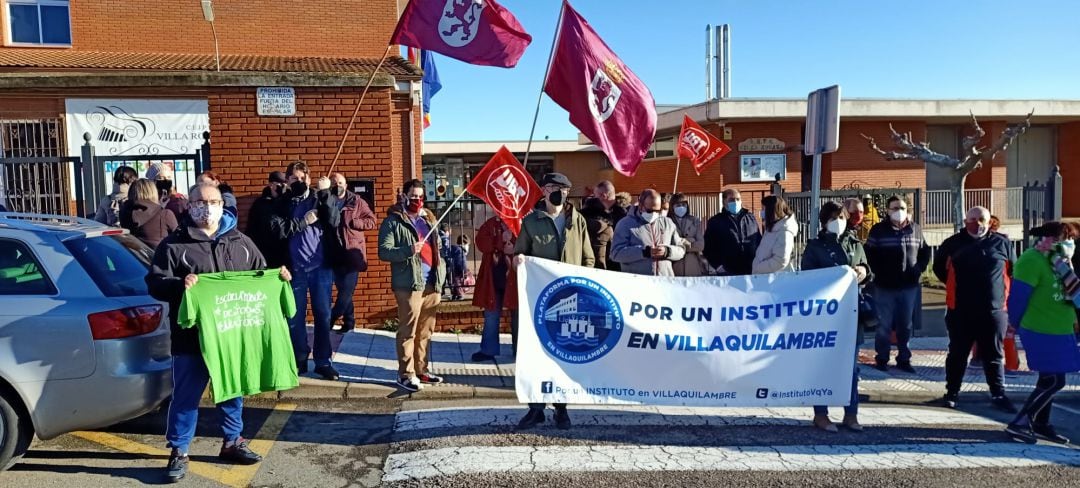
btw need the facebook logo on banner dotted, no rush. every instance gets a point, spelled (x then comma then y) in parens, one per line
(763, 393)
(546, 387)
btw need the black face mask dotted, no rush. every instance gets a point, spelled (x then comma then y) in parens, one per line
(164, 186)
(556, 198)
(335, 191)
(298, 188)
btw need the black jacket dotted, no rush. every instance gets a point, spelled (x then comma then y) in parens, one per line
(731, 241)
(898, 256)
(188, 251)
(601, 224)
(274, 249)
(147, 220)
(975, 271)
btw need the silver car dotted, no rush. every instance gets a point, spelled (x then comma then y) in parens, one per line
(82, 343)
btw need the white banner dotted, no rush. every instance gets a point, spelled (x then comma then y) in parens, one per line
(593, 336)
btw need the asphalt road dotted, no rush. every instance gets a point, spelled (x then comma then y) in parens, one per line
(471, 443)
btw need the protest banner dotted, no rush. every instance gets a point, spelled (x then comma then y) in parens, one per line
(592, 336)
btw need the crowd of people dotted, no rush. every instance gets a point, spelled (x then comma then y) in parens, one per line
(315, 235)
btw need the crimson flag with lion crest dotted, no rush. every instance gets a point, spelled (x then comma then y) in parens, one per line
(504, 184)
(478, 32)
(606, 101)
(699, 146)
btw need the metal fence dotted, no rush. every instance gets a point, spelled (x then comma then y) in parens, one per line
(1007, 204)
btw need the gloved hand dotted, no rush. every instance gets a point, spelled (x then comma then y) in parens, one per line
(311, 217)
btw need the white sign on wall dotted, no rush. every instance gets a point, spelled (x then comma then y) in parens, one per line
(276, 101)
(130, 127)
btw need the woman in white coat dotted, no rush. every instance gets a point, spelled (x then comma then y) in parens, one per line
(774, 254)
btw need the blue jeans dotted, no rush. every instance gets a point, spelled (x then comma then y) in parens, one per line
(345, 282)
(853, 407)
(319, 282)
(489, 340)
(895, 308)
(190, 377)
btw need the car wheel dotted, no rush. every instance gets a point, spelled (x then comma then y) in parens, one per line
(15, 432)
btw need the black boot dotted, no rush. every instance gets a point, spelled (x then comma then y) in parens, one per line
(534, 417)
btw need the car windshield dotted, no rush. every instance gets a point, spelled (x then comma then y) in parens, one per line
(117, 263)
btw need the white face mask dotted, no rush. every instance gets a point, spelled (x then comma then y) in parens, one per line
(680, 211)
(836, 226)
(650, 217)
(1068, 248)
(206, 216)
(465, 248)
(898, 216)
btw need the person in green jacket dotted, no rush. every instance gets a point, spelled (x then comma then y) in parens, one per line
(837, 245)
(407, 242)
(555, 231)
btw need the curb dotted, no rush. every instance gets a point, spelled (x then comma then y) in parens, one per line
(316, 389)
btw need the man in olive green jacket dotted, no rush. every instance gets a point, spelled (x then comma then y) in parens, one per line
(416, 277)
(556, 231)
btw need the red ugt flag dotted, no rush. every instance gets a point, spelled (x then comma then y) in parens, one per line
(606, 101)
(699, 146)
(474, 31)
(505, 185)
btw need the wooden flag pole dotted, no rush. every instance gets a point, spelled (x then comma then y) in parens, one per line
(363, 94)
(540, 97)
(675, 187)
(443, 216)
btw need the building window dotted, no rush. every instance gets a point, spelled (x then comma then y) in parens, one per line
(38, 22)
(661, 148)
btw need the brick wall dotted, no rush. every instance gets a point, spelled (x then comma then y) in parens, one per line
(30, 107)
(348, 28)
(1069, 160)
(247, 147)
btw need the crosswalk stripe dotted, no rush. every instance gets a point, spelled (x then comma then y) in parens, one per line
(452, 461)
(415, 420)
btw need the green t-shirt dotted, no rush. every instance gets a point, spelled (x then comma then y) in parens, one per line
(1048, 312)
(241, 317)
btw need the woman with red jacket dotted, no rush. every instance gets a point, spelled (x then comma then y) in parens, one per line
(496, 285)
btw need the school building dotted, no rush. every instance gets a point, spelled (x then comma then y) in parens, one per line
(141, 79)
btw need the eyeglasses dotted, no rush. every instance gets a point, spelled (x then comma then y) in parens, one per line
(206, 203)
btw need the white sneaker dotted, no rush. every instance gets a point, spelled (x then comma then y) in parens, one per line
(416, 382)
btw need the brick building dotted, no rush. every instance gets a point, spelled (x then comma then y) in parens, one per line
(140, 76)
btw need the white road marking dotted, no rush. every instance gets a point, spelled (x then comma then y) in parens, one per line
(1068, 409)
(524, 459)
(592, 415)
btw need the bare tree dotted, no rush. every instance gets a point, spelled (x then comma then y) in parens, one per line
(971, 158)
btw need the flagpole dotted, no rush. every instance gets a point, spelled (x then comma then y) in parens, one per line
(443, 216)
(678, 162)
(540, 97)
(363, 94)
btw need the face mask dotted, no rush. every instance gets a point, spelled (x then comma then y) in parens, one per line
(680, 211)
(164, 186)
(977, 230)
(1068, 248)
(898, 216)
(650, 217)
(298, 188)
(415, 205)
(836, 226)
(336, 191)
(206, 216)
(855, 219)
(465, 248)
(556, 198)
(734, 207)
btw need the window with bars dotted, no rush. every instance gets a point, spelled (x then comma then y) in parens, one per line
(41, 185)
(37, 22)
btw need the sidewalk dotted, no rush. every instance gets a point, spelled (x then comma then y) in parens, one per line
(367, 362)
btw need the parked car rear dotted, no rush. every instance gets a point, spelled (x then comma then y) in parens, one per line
(82, 343)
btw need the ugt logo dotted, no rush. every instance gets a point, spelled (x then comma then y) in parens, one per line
(458, 25)
(504, 186)
(695, 141)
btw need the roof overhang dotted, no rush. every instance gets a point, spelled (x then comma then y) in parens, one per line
(460, 148)
(937, 111)
(126, 78)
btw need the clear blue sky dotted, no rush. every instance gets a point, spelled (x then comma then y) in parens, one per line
(780, 48)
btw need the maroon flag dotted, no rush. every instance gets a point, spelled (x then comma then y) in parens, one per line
(699, 146)
(504, 184)
(606, 101)
(474, 31)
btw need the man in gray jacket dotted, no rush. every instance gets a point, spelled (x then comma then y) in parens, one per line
(646, 241)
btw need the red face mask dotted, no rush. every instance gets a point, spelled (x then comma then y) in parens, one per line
(414, 205)
(855, 219)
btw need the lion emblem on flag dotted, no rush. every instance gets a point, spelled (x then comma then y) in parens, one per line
(458, 25)
(605, 92)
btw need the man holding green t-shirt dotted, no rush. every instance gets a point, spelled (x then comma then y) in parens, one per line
(207, 242)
